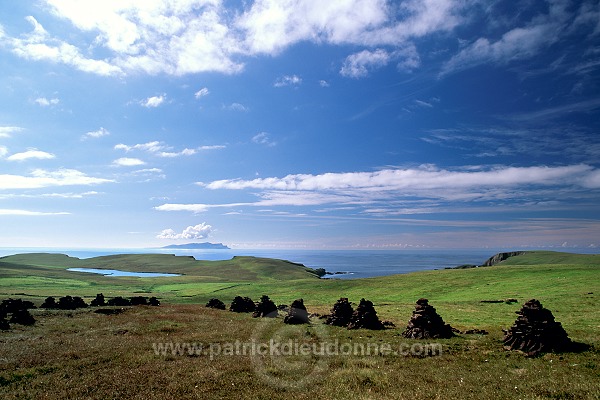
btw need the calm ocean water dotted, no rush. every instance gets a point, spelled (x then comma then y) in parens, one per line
(355, 263)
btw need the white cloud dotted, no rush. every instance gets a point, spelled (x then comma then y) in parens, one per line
(49, 195)
(128, 162)
(263, 138)
(154, 101)
(172, 154)
(200, 231)
(288, 80)
(3, 151)
(7, 131)
(39, 45)
(358, 65)
(195, 208)
(212, 147)
(415, 180)
(323, 83)
(162, 150)
(41, 178)
(237, 107)
(517, 43)
(201, 93)
(151, 147)
(192, 36)
(27, 213)
(95, 134)
(44, 102)
(31, 154)
(427, 189)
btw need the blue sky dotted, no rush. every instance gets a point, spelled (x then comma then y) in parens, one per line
(300, 124)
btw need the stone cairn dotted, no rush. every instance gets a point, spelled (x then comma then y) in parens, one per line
(265, 308)
(242, 305)
(215, 303)
(297, 314)
(535, 331)
(365, 317)
(341, 313)
(426, 323)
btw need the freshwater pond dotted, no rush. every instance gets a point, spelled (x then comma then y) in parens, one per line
(116, 272)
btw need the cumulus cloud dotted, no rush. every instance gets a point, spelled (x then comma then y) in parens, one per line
(31, 154)
(39, 45)
(193, 36)
(128, 162)
(44, 102)
(154, 101)
(162, 150)
(95, 134)
(40, 178)
(200, 231)
(263, 138)
(201, 93)
(7, 131)
(288, 80)
(237, 107)
(358, 65)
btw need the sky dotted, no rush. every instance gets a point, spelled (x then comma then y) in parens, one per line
(346, 124)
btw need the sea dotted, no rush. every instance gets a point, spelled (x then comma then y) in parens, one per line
(343, 264)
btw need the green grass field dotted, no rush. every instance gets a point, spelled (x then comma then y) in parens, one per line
(80, 354)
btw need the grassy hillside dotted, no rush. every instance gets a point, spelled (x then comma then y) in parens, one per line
(80, 354)
(562, 281)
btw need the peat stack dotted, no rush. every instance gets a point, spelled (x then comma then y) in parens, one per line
(99, 301)
(265, 308)
(22, 317)
(535, 331)
(154, 302)
(118, 302)
(242, 305)
(49, 303)
(215, 303)
(297, 314)
(139, 301)
(426, 323)
(13, 305)
(4, 326)
(365, 317)
(71, 303)
(341, 313)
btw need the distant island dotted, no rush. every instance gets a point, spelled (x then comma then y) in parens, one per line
(198, 246)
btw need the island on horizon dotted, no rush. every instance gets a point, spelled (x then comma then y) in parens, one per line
(198, 246)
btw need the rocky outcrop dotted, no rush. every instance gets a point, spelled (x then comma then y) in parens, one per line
(535, 331)
(426, 323)
(498, 258)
